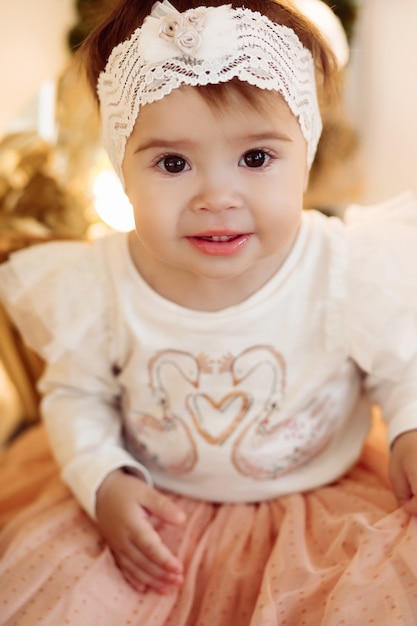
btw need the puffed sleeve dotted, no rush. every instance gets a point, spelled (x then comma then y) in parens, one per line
(381, 310)
(54, 294)
(58, 297)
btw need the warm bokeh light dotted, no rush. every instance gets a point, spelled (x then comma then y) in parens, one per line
(111, 202)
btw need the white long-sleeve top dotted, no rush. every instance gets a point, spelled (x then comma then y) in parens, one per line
(264, 398)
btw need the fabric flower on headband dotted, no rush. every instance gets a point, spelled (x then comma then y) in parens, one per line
(184, 30)
(203, 33)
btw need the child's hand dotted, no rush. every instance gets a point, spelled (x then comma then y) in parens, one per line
(128, 510)
(403, 470)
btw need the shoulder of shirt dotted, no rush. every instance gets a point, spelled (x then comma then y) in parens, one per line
(56, 292)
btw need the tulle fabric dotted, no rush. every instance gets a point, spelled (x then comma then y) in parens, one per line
(343, 554)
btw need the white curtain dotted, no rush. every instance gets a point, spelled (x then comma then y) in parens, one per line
(33, 49)
(382, 94)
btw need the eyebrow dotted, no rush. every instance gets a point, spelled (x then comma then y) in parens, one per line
(269, 136)
(167, 144)
(156, 143)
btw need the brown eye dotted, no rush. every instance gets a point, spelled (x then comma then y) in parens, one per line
(173, 164)
(255, 158)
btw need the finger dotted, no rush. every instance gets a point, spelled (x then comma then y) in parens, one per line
(400, 484)
(402, 492)
(161, 506)
(141, 562)
(411, 506)
(141, 580)
(133, 582)
(151, 549)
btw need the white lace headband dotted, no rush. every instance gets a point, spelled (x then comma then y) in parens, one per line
(207, 45)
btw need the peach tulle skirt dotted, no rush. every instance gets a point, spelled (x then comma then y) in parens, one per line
(340, 555)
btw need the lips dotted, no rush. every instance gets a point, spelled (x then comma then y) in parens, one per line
(220, 244)
(218, 238)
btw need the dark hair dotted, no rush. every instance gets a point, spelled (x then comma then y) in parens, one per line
(130, 14)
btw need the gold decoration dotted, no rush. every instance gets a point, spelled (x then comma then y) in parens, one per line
(46, 188)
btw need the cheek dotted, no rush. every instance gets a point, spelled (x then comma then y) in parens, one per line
(154, 221)
(285, 206)
(146, 224)
(291, 175)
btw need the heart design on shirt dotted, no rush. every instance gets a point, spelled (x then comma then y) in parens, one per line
(216, 420)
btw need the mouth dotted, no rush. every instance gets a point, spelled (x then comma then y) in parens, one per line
(218, 238)
(225, 244)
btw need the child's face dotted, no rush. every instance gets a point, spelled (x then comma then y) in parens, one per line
(217, 196)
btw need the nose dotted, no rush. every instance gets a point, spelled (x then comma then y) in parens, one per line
(216, 193)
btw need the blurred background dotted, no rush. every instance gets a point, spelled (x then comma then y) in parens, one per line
(56, 181)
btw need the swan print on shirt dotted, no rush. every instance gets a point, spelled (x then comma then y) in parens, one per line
(235, 402)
